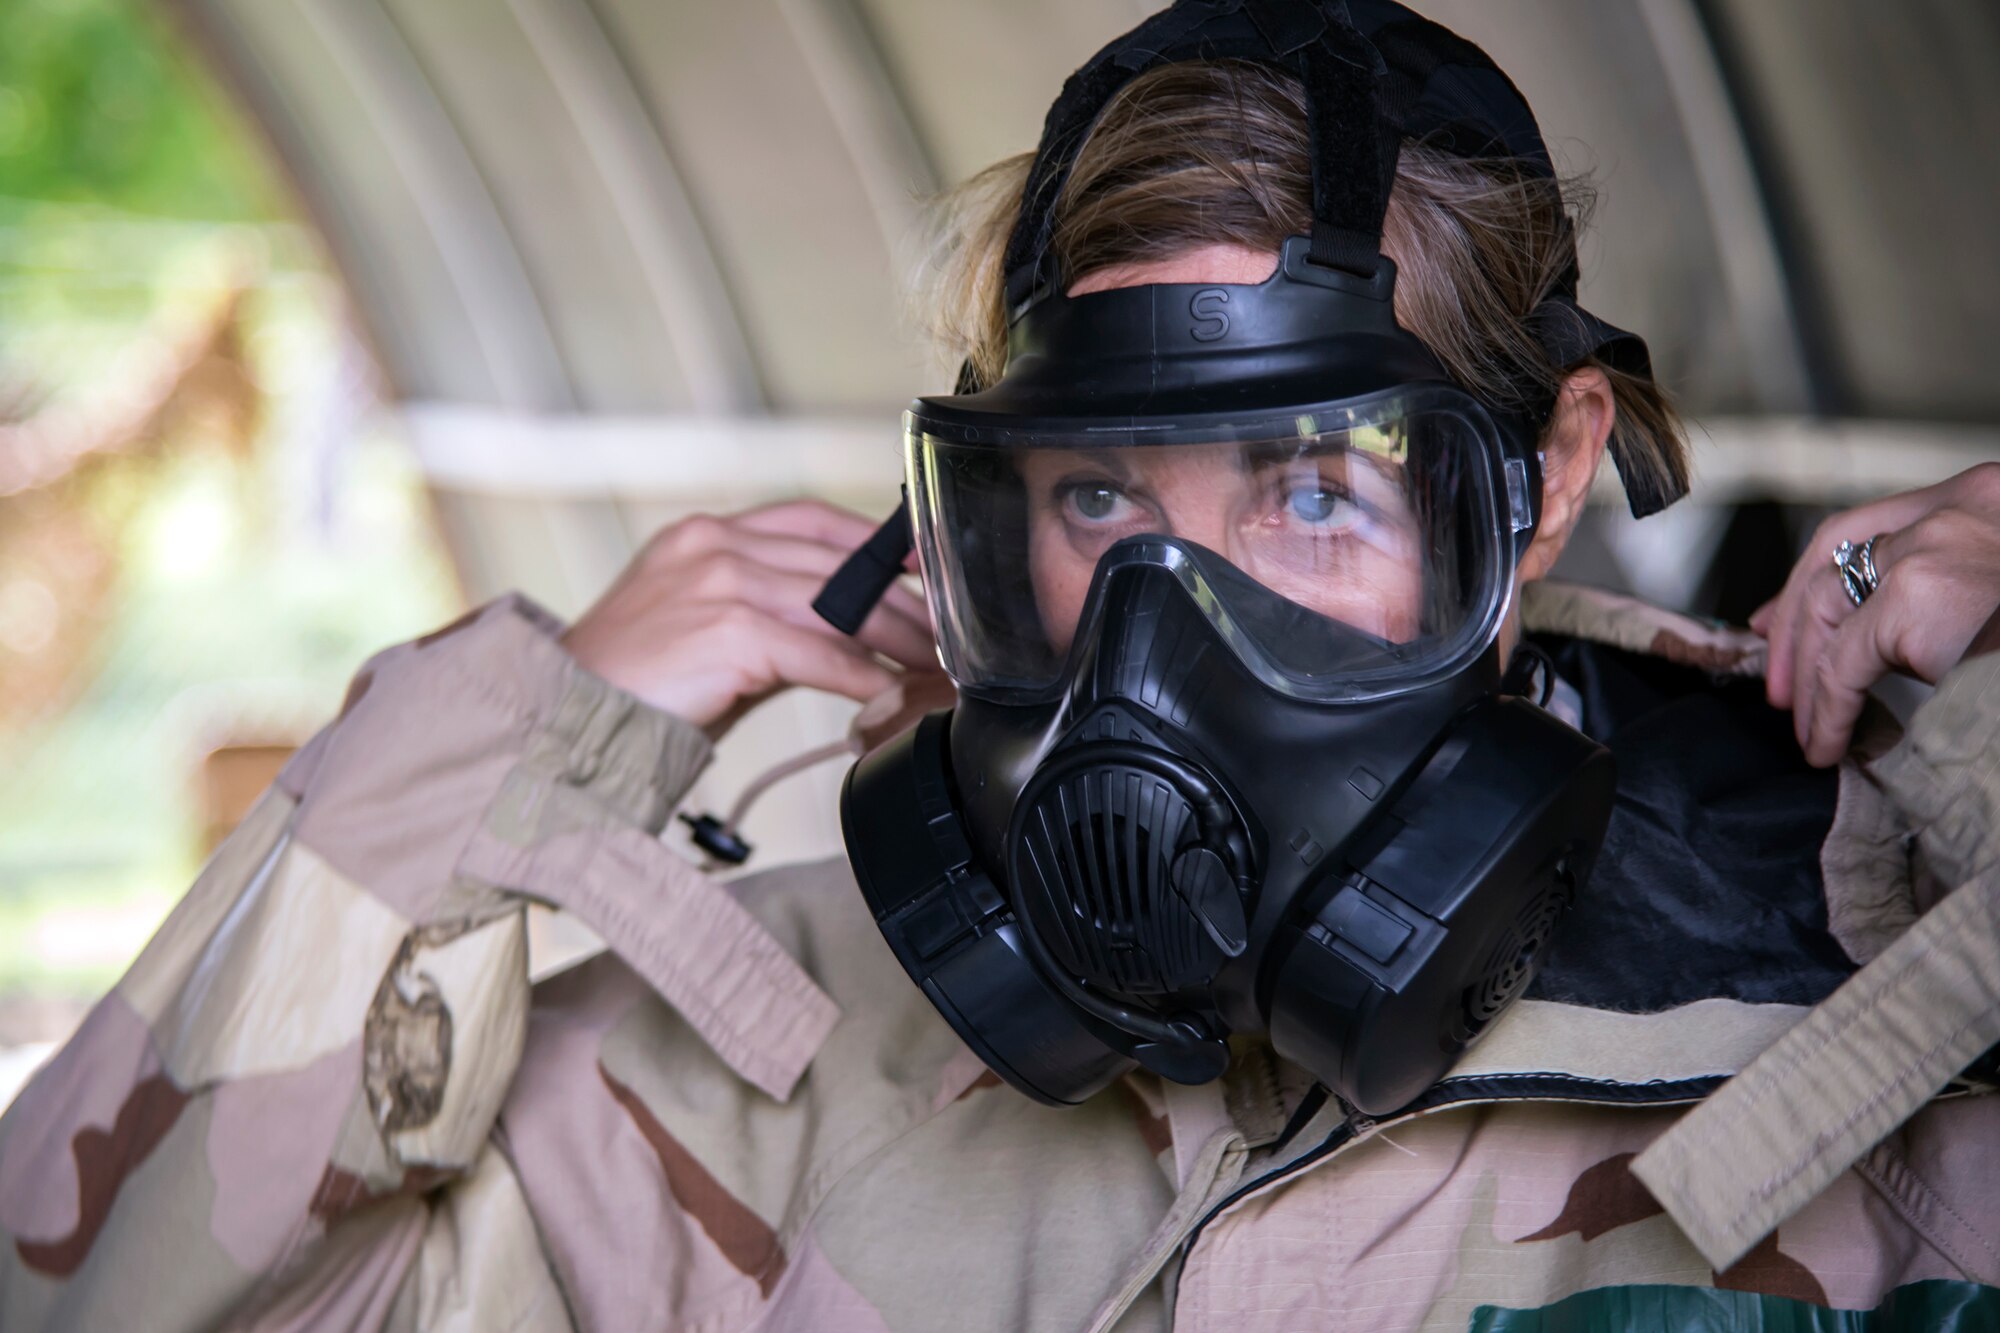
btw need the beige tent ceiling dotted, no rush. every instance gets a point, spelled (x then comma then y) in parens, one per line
(665, 230)
(623, 258)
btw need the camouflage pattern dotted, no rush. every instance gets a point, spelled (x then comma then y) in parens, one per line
(326, 1096)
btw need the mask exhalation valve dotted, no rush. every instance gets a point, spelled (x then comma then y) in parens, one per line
(1131, 870)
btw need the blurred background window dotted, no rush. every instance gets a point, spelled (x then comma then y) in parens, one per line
(202, 528)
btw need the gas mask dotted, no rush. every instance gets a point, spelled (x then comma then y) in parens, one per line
(1219, 572)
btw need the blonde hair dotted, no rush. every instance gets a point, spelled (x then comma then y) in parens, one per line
(1202, 153)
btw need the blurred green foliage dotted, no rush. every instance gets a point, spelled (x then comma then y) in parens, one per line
(101, 103)
(252, 569)
(232, 613)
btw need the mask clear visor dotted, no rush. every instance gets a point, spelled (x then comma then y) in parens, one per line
(1343, 552)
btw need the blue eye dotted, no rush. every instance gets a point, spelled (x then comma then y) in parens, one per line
(1093, 502)
(1315, 504)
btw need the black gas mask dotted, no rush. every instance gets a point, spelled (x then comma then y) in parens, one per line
(1219, 572)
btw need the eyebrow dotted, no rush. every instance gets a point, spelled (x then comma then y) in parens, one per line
(1108, 460)
(1265, 452)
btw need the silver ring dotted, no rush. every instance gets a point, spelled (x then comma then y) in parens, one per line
(1870, 579)
(1847, 559)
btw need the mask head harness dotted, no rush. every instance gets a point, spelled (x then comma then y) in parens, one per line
(1218, 811)
(1375, 74)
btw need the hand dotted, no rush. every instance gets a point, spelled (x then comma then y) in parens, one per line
(715, 615)
(1938, 603)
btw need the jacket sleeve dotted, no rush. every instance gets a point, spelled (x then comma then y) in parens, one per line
(251, 1129)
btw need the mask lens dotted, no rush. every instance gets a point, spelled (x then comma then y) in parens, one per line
(1343, 554)
(1328, 526)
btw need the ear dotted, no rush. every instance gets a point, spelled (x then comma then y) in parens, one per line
(1572, 449)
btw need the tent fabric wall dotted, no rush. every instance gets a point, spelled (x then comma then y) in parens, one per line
(691, 218)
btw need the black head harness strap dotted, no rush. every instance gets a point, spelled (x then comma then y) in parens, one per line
(1354, 145)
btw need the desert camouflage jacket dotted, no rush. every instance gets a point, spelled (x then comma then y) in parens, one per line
(327, 1097)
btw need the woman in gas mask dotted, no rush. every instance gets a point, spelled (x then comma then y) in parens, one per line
(1238, 840)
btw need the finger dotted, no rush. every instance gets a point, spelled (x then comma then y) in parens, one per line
(812, 560)
(1777, 632)
(898, 626)
(1781, 615)
(904, 640)
(1823, 606)
(811, 522)
(802, 554)
(820, 561)
(820, 556)
(886, 715)
(893, 629)
(1813, 600)
(907, 600)
(1889, 514)
(914, 586)
(1781, 632)
(1987, 640)
(911, 652)
(1943, 574)
(1823, 609)
(836, 665)
(1760, 619)
(1854, 658)
(815, 520)
(700, 534)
